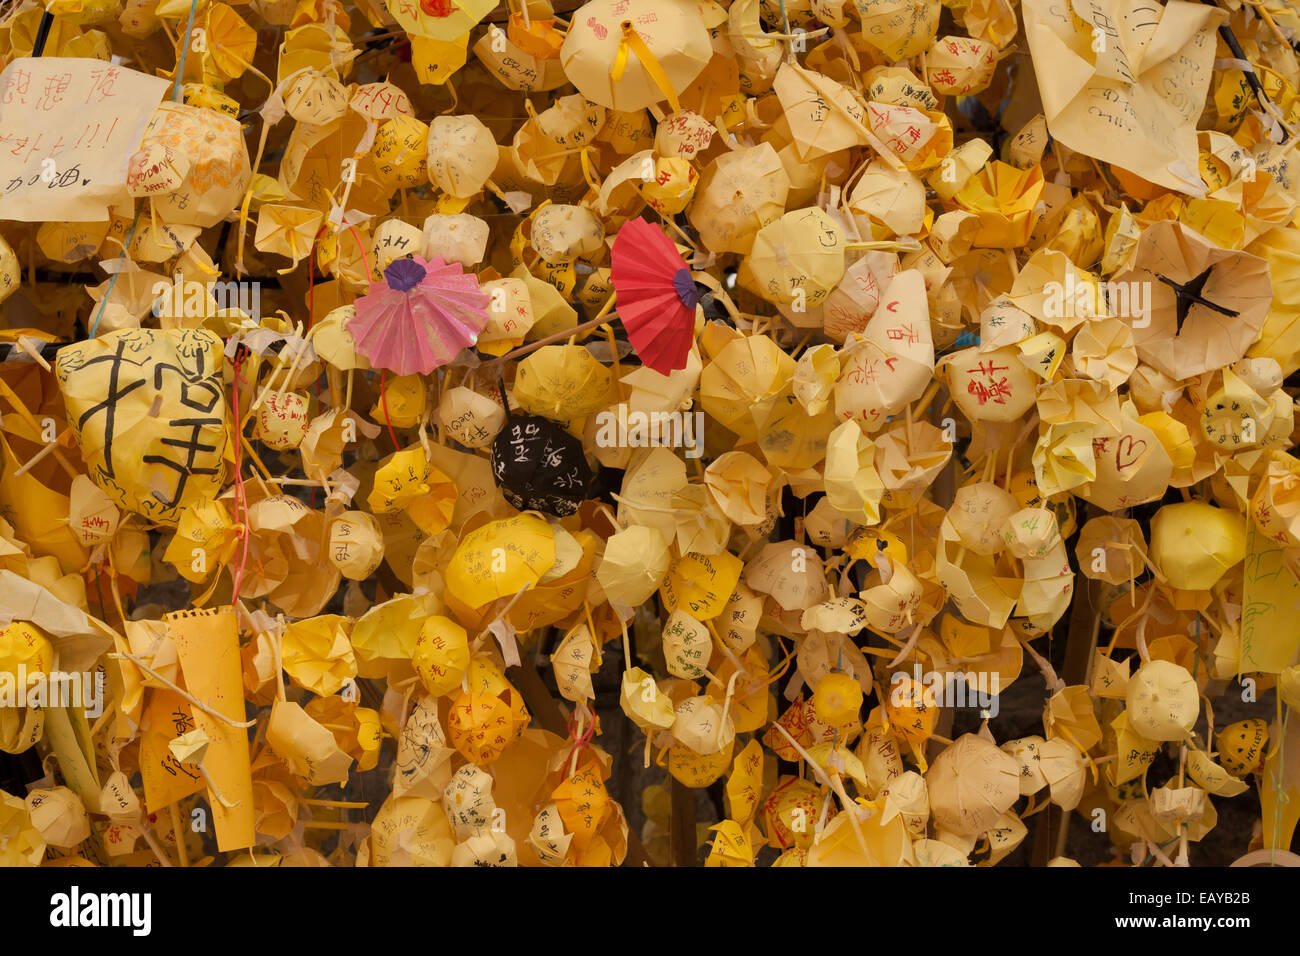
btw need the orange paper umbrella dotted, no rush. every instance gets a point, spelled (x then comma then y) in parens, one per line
(656, 295)
(420, 317)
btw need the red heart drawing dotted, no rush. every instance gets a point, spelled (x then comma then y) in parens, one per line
(1129, 451)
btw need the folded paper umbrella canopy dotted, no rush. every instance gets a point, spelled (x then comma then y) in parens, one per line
(656, 295)
(499, 559)
(439, 19)
(971, 784)
(629, 55)
(1205, 304)
(540, 467)
(420, 317)
(561, 382)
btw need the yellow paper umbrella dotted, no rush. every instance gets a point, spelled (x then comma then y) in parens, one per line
(971, 784)
(1163, 701)
(59, 815)
(731, 846)
(314, 97)
(740, 192)
(536, 36)
(628, 56)
(334, 343)
(583, 803)
(156, 479)
(441, 655)
(1006, 201)
(357, 730)
(400, 152)
(229, 43)
(1206, 306)
(317, 654)
(1111, 549)
(837, 699)
(883, 843)
(961, 66)
(890, 363)
(156, 170)
(562, 382)
(573, 662)
(788, 436)
(499, 559)
(687, 646)
(798, 259)
(481, 725)
(644, 703)
(980, 587)
(1194, 543)
(289, 231)
(989, 386)
(411, 831)
(1242, 746)
(438, 19)
(461, 154)
(219, 170)
(23, 647)
(790, 812)
(852, 484)
(21, 843)
(911, 710)
(841, 616)
(649, 484)
(380, 101)
(701, 584)
(305, 745)
(759, 53)
(704, 727)
(436, 60)
(788, 571)
(823, 116)
(746, 372)
(388, 632)
(633, 565)
(738, 484)
(898, 28)
(1069, 714)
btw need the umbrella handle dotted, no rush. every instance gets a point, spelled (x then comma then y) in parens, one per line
(566, 333)
(719, 293)
(501, 384)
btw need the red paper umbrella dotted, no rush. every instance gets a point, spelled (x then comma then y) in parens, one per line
(420, 316)
(655, 295)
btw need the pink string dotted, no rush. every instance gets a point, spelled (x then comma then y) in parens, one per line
(361, 247)
(383, 374)
(580, 743)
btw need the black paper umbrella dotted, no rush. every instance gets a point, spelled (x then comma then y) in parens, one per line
(540, 467)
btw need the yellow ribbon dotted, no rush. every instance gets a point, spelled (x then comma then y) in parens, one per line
(587, 172)
(631, 42)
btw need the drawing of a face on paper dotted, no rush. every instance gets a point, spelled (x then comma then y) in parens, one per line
(149, 413)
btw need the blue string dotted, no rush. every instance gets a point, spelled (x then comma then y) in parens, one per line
(112, 280)
(185, 49)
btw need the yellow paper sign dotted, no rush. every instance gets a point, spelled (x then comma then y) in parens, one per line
(68, 128)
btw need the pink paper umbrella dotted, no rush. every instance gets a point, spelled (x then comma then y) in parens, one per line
(420, 316)
(656, 296)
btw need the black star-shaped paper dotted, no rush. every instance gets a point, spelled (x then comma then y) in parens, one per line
(1189, 294)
